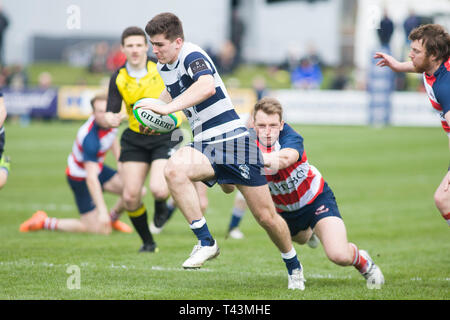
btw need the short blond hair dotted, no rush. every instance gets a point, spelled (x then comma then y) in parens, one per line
(98, 96)
(269, 106)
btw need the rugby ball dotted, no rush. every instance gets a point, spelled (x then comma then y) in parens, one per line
(154, 121)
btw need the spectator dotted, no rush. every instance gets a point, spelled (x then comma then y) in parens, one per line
(116, 58)
(340, 80)
(259, 85)
(237, 33)
(17, 78)
(226, 59)
(99, 58)
(386, 30)
(4, 22)
(411, 22)
(307, 75)
(45, 80)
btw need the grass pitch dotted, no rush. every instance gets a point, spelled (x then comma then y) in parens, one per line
(383, 179)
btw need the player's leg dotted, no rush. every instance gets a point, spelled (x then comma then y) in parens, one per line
(202, 192)
(5, 165)
(260, 204)
(442, 199)
(238, 212)
(327, 223)
(160, 191)
(184, 168)
(114, 185)
(134, 174)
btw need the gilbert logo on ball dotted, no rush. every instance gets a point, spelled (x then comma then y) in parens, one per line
(154, 121)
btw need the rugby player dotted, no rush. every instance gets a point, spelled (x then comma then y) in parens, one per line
(301, 195)
(430, 55)
(5, 165)
(222, 151)
(88, 176)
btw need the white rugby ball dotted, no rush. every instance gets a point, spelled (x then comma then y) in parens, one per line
(155, 121)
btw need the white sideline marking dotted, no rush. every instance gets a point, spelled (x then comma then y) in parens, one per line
(25, 262)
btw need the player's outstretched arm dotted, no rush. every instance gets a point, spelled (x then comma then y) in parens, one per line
(2, 111)
(281, 159)
(389, 61)
(95, 189)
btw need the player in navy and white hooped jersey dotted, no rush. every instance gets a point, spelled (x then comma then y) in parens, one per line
(212, 119)
(301, 195)
(4, 160)
(222, 150)
(88, 176)
(430, 55)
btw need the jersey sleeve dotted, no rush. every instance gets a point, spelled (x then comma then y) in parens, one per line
(197, 64)
(291, 139)
(443, 93)
(91, 146)
(114, 103)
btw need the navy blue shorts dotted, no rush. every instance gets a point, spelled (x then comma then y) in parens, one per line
(80, 189)
(235, 161)
(323, 206)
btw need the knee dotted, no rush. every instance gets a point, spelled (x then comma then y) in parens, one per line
(172, 173)
(159, 192)
(440, 199)
(266, 219)
(131, 199)
(339, 258)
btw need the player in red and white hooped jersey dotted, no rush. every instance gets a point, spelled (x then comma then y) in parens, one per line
(88, 176)
(430, 55)
(301, 195)
(297, 185)
(91, 144)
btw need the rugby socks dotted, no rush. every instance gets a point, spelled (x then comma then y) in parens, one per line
(171, 207)
(291, 260)
(359, 262)
(200, 228)
(161, 213)
(50, 224)
(114, 215)
(139, 220)
(236, 218)
(447, 218)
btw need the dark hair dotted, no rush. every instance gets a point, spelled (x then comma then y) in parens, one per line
(434, 38)
(165, 23)
(98, 96)
(269, 106)
(132, 31)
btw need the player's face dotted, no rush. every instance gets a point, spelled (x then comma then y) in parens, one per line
(135, 48)
(267, 127)
(99, 113)
(165, 50)
(418, 55)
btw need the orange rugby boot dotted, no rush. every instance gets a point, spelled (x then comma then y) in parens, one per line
(36, 222)
(121, 226)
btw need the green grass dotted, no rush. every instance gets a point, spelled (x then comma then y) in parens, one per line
(384, 180)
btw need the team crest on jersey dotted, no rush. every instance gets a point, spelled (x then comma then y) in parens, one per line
(321, 209)
(198, 65)
(245, 171)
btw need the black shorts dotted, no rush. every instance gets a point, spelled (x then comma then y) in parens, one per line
(142, 148)
(2, 140)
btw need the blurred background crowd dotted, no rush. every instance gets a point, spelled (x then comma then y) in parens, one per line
(260, 45)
